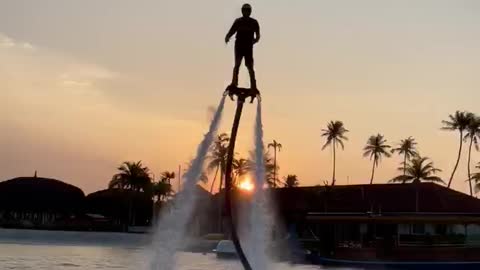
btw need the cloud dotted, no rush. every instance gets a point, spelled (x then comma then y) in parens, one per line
(7, 42)
(39, 77)
(84, 75)
(68, 82)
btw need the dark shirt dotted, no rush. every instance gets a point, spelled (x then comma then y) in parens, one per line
(245, 27)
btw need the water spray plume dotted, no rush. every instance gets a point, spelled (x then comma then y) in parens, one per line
(258, 237)
(173, 221)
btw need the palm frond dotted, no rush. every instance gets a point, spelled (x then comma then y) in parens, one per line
(458, 121)
(327, 143)
(401, 178)
(341, 143)
(376, 148)
(335, 132)
(291, 181)
(435, 179)
(422, 169)
(475, 177)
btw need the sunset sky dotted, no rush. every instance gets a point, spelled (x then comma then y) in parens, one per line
(88, 84)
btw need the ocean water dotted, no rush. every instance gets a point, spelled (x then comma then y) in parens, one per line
(55, 250)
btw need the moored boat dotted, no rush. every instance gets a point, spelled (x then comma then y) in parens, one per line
(225, 250)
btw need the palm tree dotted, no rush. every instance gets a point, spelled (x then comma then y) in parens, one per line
(167, 176)
(218, 162)
(132, 176)
(408, 148)
(276, 146)
(162, 189)
(214, 179)
(270, 169)
(291, 181)
(376, 148)
(473, 134)
(240, 168)
(218, 158)
(476, 178)
(458, 121)
(419, 169)
(268, 164)
(335, 134)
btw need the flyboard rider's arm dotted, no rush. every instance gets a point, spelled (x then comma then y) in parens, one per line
(231, 32)
(257, 33)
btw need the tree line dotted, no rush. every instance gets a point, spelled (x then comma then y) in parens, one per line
(134, 176)
(414, 167)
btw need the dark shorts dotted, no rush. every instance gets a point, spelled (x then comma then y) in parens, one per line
(244, 51)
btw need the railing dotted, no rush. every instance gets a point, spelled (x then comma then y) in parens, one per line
(432, 240)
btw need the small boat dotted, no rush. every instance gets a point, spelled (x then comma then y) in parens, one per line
(225, 250)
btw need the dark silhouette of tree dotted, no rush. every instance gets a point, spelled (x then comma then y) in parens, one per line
(476, 178)
(218, 158)
(240, 168)
(335, 134)
(473, 135)
(408, 148)
(419, 169)
(375, 149)
(459, 122)
(167, 176)
(276, 147)
(218, 161)
(214, 179)
(291, 181)
(135, 177)
(270, 168)
(163, 188)
(269, 172)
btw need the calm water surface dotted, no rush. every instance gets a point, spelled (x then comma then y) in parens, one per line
(41, 250)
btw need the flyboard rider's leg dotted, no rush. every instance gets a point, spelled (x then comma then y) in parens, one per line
(248, 52)
(236, 68)
(243, 51)
(251, 71)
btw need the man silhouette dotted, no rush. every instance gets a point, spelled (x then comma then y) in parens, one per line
(248, 33)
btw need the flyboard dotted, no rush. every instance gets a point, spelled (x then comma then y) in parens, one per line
(242, 93)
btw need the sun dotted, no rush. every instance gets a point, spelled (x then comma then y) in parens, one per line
(246, 185)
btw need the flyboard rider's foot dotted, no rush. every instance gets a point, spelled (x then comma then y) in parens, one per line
(229, 90)
(255, 94)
